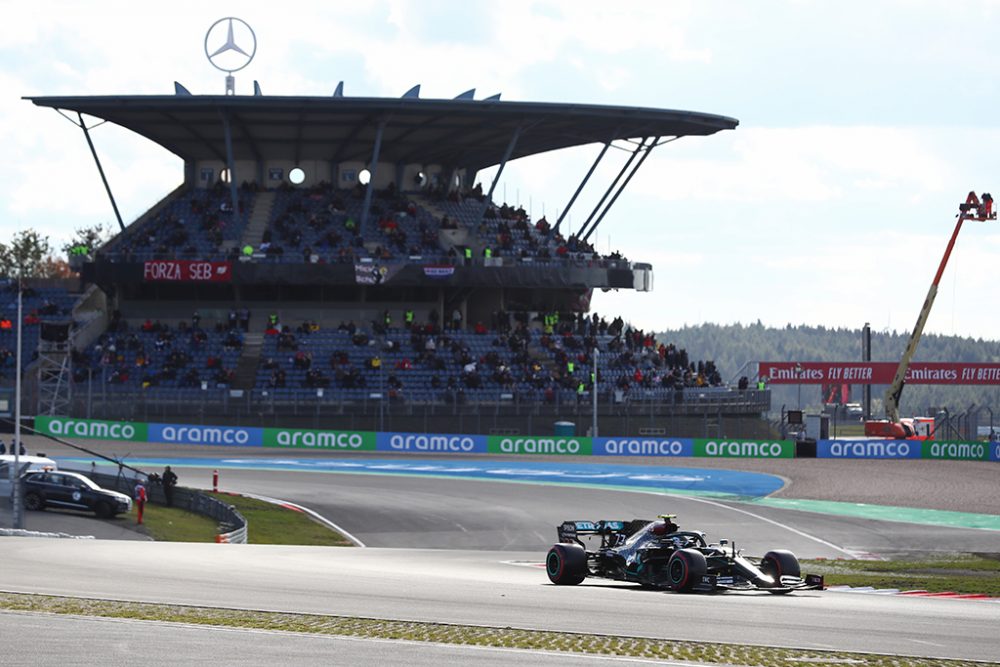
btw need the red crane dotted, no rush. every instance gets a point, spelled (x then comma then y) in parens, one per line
(974, 208)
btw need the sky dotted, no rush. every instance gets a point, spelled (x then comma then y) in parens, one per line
(863, 124)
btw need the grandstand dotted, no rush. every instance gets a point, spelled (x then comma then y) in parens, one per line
(334, 262)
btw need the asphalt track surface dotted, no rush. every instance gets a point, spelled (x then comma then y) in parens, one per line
(455, 541)
(115, 641)
(485, 588)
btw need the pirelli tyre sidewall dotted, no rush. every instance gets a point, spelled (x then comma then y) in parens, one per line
(685, 569)
(778, 563)
(566, 564)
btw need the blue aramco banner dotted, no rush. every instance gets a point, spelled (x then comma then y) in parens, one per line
(868, 449)
(187, 434)
(430, 442)
(643, 446)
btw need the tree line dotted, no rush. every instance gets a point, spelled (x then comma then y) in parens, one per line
(29, 254)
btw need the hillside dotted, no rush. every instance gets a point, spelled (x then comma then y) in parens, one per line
(732, 346)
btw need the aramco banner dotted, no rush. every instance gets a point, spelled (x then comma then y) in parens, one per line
(877, 372)
(450, 443)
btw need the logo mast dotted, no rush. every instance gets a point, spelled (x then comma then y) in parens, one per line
(230, 45)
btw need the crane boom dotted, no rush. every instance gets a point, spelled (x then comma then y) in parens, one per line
(895, 390)
(972, 209)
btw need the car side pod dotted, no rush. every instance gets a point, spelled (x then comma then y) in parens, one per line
(566, 564)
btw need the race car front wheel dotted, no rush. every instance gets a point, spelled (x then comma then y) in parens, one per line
(779, 563)
(566, 564)
(685, 569)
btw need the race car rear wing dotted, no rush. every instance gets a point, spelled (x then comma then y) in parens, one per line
(571, 531)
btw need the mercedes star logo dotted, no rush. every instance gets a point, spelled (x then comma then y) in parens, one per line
(229, 56)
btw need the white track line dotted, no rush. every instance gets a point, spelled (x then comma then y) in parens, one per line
(775, 523)
(696, 499)
(315, 515)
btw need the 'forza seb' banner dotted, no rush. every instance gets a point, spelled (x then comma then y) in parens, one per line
(517, 444)
(313, 439)
(186, 270)
(744, 449)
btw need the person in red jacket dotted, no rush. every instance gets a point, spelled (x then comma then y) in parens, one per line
(140, 500)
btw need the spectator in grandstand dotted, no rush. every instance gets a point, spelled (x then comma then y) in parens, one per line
(223, 377)
(233, 341)
(245, 319)
(277, 379)
(316, 379)
(286, 340)
(190, 378)
(302, 360)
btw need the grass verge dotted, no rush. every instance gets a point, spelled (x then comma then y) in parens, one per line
(274, 524)
(268, 524)
(172, 524)
(967, 573)
(370, 628)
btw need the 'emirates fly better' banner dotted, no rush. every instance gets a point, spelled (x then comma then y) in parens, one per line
(877, 372)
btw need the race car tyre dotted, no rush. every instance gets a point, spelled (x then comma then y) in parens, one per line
(685, 569)
(779, 563)
(33, 501)
(566, 564)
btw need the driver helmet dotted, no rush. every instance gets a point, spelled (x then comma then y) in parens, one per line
(659, 527)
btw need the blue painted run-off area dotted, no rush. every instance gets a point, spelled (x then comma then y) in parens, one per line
(689, 480)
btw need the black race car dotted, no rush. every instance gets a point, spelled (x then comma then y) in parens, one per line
(657, 554)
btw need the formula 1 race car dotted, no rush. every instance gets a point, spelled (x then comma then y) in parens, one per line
(656, 554)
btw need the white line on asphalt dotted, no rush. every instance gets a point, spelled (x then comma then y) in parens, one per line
(315, 515)
(921, 641)
(770, 521)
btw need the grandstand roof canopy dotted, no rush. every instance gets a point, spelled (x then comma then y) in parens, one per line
(460, 133)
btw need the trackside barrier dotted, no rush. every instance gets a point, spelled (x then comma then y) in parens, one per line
(558, 445)
(232, 524)
(238, 536)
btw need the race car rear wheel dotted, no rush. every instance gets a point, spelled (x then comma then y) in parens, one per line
(685, 569)
(780, 563)
(566, 564)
